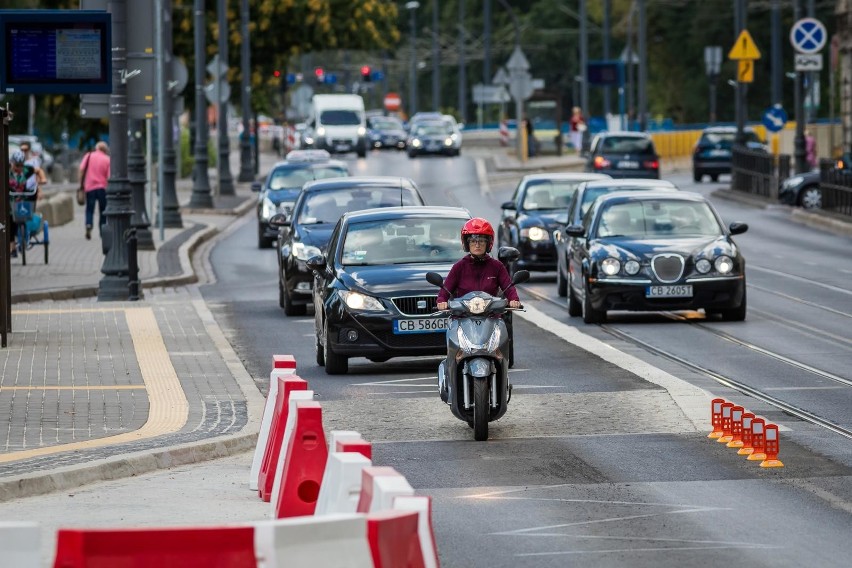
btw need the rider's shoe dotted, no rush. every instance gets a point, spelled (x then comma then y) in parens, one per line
(88, 232)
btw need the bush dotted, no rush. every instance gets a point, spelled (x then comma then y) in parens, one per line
(187, 154)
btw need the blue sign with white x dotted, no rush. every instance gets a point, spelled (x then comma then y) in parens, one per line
(808, 35)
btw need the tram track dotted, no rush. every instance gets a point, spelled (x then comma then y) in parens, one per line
(729, 382)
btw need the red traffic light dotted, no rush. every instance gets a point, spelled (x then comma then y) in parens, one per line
(365, 70)
(319, 72)
(276, 73)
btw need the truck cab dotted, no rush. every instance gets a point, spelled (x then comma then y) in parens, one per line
(337, 123)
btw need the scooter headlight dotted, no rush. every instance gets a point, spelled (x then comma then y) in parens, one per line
(468, 346)
(477, 305)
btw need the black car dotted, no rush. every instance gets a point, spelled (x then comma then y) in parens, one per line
(653, 251)
(317, 209)
(537, 208)
(713, 153)
(580, 203)
(624, 154)
(386, 132)
(278, 192)
(802, 190)
(371, 298)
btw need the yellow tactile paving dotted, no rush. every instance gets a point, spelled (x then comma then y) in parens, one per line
(168, 407)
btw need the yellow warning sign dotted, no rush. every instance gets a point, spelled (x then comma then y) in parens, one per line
(745, 71)
(744, 48)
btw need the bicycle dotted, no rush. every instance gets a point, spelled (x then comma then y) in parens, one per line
(30, 225)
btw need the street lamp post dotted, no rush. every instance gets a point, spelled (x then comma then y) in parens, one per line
(246, 171)
(226, 181)
(712, 64)
(412, 79)
(436, 60)
(201, 197)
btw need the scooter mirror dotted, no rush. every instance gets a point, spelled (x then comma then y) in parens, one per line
(434, 279)
(521, 276)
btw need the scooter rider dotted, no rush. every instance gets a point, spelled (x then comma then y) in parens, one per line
(477, 271)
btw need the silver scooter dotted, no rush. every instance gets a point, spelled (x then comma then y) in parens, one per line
(474, 378)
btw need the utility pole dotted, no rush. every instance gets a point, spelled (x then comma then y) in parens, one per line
(246, 173)
(777, 65)
(115, 284)
(436, 59)
(643, 66)
(843, 14)
(412, 6)
(170, 208)
(606, 11)
(201, 197)
(462, 63)
(486, 34)
(226, 181)
(799, 146)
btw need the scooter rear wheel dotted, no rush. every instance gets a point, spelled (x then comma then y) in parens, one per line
(481, 410)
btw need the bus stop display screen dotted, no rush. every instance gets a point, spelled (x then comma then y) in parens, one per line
(55, 51)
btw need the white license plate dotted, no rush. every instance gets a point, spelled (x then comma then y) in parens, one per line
(420, 325)
(341, 148)
(684, 291)
(628, 165)
(717, 153)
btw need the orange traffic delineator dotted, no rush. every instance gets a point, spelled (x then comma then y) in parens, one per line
(746, 448)
(772, 447)
(716, 417)
(736, 427)
(363, 447)
(727, 434)
(758, 440)
(304, 463)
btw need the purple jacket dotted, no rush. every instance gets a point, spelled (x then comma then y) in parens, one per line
(469, 276)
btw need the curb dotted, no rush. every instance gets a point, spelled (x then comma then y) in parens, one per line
(741, 197)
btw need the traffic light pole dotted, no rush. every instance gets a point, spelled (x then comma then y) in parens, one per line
(246, 173)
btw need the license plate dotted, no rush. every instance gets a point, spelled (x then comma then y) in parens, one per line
(420, 325)
(628, 165)
(342, 148)
(684, 291)
(718, 153)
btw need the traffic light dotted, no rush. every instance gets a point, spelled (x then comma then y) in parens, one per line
(276, 73)
(319, 73)
(366, 73)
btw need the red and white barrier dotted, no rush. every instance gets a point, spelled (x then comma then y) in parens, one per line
(504, 133)
(281, 365)
(423, 506)
(20, 544)
(393, 539)
(379, 486)
(278, 467)
(274, 441)
(304, 463)
(333, 541)
(341, 483)
(291, 139)
(336, 436)
(187, 547)
(360, 446)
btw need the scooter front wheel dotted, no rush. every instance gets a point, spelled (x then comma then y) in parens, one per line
(481, 409)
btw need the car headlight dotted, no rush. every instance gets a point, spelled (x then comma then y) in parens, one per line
(454, 137)
(361, 302)
(535, 233)
(267, 209)
(631, 267)
(610, 266)
(361, 131)
(477, 305)
(416, 142)
(448, 142)
(320, 131)
(703, 266)
(468, 346)
(793, 181)
(723, 264)
(304, 252)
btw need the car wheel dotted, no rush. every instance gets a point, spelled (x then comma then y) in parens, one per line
(281, 302)
(591, 315)
(696, 177)
(811, 197)
(362, 153)
(574, 307)
(286, 302)
(319, 351)
(262, 242)
(735, 314)
(334, 364)
(412, 155)
(714, 177)
(561, 283)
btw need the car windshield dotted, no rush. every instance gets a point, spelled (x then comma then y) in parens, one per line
(340, 118)
(329, 205)
(627, 145)
(295, 178)
(549, 194)
(403, 241)
(651, 218)
(593, 193)
(433, 129)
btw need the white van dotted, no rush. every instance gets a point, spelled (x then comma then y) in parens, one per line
(337, 123)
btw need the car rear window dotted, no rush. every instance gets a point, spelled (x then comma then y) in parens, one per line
(329, 205)
(295, 178)
(627, 145)
(549, 194)
(727, 138)
(658, 218)
(403, 241)
(593, 193)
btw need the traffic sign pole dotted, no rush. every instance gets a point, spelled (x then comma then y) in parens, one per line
(808, 36)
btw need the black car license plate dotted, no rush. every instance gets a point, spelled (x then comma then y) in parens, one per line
(683, 291)
(420, 325)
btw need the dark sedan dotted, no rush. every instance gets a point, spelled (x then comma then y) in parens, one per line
(624, 154)
(317, 209)
(537, 207)
(278, 192)
(386, 132)
(650, 251)
(371, 298)
(802, 190)
(713, 153)
(434, 137)
(582, 200)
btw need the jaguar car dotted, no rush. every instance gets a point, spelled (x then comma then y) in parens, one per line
(370, 294)
(538, 206)
(317, 209)
(654, 251)
(583, 198)
(278, 192)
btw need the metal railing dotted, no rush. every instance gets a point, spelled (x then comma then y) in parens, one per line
(757, 172)
(836, 186)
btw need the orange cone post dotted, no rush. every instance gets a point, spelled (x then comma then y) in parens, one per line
(304, 463)
(727, 426)
(394, 541)
(361, 446)
(716, 417)
(746, 448)
(266, 477)
(736, 427)
(772, 447)
(758, 440)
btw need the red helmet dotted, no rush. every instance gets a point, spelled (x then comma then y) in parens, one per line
(477, 226)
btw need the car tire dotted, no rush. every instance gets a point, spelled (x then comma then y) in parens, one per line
(286, 301)
(575, 309)
(714, 177)
(561, 283)
(334, 364)
(591, 315)
(412, 155)
(262, 242)
(697, 177)
(362, 153)
(738, 313)
(320, 351)
(810, 197)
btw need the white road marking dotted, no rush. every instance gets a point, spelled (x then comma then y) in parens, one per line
(801, 279)
(660, 549)
(482, 176)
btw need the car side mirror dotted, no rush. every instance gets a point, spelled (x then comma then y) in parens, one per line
(279, 220)
(316, 263)
(256, 186)
(738, 228)
(508, 254)
(509, 206)
(575, 230)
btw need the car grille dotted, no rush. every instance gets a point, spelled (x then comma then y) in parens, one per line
(437, 340)
(409, 305)
(667, 267)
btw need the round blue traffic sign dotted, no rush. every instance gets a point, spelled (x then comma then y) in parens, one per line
(808, 35)
(774, 118)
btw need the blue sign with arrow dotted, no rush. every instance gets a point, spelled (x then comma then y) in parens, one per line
(774, 118)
